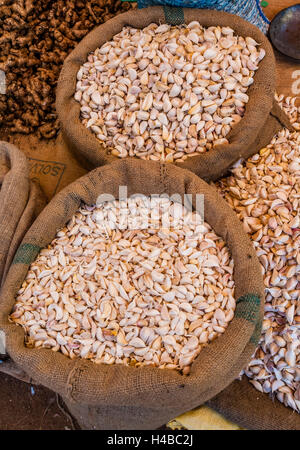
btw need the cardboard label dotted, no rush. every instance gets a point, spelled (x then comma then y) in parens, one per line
(52, 170)
(51, 162)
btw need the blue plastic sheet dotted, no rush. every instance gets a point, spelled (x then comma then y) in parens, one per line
(249, 10)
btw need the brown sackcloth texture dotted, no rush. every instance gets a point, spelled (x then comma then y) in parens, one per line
(116, 396)
(10, 368)
(21, 200)
(35, 203)
(262, 119)
(246, 406)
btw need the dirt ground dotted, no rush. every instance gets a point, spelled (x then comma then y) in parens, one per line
(26, 407)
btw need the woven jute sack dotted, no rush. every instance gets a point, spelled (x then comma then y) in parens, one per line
(21, 200)
(116, 396)
(262, 119)
(254, 410)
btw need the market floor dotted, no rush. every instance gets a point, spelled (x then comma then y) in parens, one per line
(26, 407)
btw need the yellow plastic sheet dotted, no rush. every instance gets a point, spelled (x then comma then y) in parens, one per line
(202, 418)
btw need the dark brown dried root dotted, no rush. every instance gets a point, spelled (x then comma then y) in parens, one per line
(37, 37)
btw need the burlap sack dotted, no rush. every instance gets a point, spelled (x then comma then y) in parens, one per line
(119, 397)
(21, 200)
(254, 410)
(262, 119)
